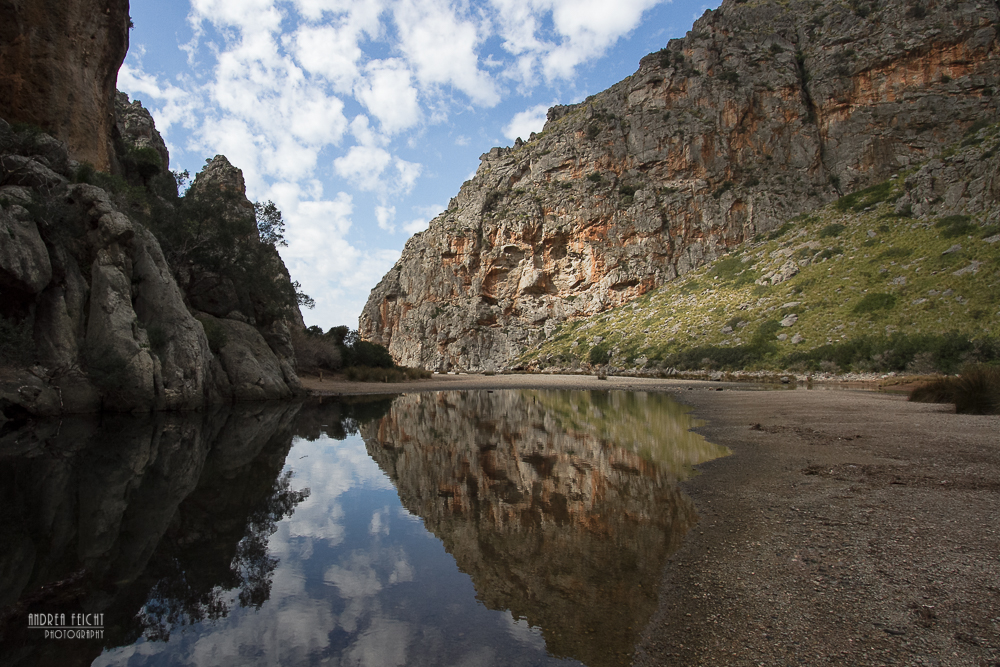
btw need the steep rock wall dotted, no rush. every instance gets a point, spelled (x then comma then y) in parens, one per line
(763, 111)
(110, 325)
(59, 62)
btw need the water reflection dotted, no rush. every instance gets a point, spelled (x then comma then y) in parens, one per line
(479, 528)
(561, 506)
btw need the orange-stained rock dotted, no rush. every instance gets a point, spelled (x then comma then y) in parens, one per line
(760, 113)
(59, 62)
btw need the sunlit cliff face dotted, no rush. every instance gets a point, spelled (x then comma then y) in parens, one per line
(561, 506)
(761, 113)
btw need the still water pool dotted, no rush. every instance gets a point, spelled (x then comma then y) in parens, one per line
(521, 527)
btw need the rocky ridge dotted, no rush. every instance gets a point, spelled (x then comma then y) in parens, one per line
(898, 277)
(762, 112)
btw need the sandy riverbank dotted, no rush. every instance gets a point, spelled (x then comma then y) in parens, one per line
(849, 528)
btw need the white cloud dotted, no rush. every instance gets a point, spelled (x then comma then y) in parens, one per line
(582, 30)
(275, 85)
(385, 216)
(442, 47)
(414, 226)
(388, 93)
(363, 166)
(525, 122)
(248, 15)
(331, 52)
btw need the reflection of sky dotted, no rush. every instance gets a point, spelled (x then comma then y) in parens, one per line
(359, 582)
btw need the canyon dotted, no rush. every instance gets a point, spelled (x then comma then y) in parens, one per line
(762, 112)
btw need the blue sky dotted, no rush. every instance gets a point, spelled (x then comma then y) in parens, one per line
(361, 119)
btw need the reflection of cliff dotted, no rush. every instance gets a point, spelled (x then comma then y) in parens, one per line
(537, 500)
(96, 514)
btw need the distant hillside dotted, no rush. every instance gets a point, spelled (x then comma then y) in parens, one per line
(763, 112)
(860, 285)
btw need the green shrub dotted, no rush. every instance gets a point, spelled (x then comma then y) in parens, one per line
(379, 374)
(157, 338)
(599, 355)
(941, 390)
(947, 352)
(977, 390)
(365, 353)
(729, 76)
(874, 302)
(895, 253)
(779, 232)
(315, 351)
(955, 225)
(832, 230)
(722, 189)
(107, 369)
(859, 201)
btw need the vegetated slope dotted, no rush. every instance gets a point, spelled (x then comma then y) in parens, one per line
(904, 275)
(762, 112)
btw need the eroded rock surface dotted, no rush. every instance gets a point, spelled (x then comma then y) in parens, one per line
(760, 113)
(113, 324)
(59, 62)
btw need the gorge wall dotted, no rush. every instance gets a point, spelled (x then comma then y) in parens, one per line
(59, 62)
(116, 293)
(762, 112)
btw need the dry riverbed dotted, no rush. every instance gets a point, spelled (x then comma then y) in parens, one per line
(848, 527)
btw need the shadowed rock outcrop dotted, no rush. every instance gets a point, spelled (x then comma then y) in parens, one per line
(762, 112)
(59, 62)
(111, 324)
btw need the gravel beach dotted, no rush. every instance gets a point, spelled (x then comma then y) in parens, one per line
(847, 527)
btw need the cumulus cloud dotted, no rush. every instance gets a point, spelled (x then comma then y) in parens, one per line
(385, 216)
(581, 30)
(388, 93)
(277, 86)
(442, 47)
(526, 122)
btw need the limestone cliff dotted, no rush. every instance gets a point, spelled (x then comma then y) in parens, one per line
(108, 320)
(763, 111)
(59, 62)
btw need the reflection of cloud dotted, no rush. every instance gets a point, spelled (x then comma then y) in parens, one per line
(379, 524)
(520, 630)
(383, 644)
(330, 470)
(355, 580)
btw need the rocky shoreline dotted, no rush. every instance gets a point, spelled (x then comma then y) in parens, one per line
(847, 527)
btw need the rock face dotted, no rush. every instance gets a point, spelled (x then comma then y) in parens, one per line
(556, 513)
(763, 111)
(59, 62)
(112, 325)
